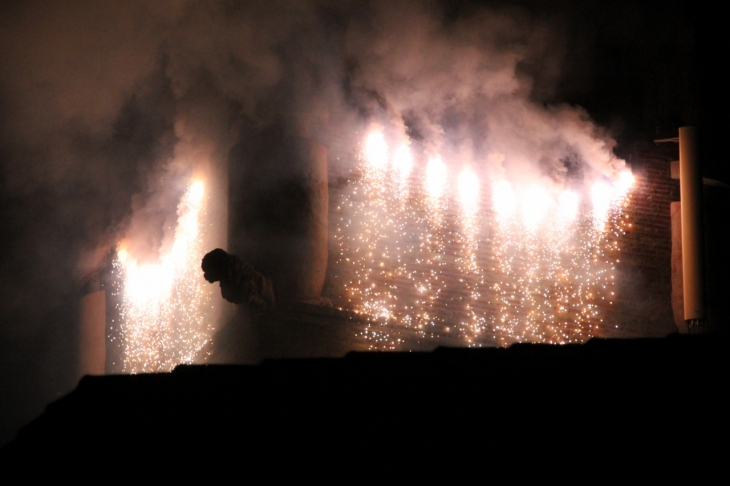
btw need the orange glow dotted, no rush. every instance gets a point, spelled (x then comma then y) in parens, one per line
(165, 305)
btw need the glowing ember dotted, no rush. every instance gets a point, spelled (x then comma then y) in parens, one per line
(544, 276)
(165, 306)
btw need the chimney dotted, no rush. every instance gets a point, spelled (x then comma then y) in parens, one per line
(92, 328)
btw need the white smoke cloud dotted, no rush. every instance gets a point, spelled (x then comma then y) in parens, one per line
(464, 87)
(107, 108)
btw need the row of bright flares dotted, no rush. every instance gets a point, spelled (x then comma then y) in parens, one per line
(532, 203)
(421, 248)
(417, 251)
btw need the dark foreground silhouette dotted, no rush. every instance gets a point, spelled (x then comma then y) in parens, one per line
(668, 392)
(240, 282)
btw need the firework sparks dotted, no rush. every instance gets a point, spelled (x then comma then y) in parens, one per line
(403, 165)
(601, 195)
(469, 191)
(436, 178)
(165, 318)
(569, 204)
(415, 259)
(504, 200)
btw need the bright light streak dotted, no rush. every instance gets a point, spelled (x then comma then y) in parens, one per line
(196, 192)
(435, 178)
(625, 183)
(601, 197)
(146, 283)
(469, 190)
(165, 306)
(403, 163)
(504, 200)
(376, 151)
(534, 204)
(568, 205)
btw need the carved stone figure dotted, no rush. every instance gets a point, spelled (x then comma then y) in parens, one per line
(240, 282)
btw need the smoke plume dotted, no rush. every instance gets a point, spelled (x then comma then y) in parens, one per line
(108, 108)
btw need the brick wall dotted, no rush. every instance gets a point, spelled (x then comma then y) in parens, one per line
(642, 271)
(641, 306)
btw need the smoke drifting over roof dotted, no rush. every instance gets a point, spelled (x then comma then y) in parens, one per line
(106, 108)
(107, 105)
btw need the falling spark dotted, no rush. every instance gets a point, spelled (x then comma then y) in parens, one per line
(601, 196)
(165, 306)
(403, 164)
(418, 263)
(435, 178)
(469, 190)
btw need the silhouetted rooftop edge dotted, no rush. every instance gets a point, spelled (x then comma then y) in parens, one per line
(625, 391)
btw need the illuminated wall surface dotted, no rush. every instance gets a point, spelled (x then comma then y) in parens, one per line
(453, 256)
(426, 252)
(165, 310)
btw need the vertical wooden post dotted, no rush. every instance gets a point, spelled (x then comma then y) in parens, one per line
(690, 188)
(92, 332)
(675, 211)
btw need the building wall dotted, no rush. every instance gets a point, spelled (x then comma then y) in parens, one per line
(644, 285)
(642, 306)
(642, 263)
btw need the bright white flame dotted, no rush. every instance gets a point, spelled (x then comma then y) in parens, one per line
(196, 191)
(147, 283)
(376, 151)
(624, 183)
(534, 202)
(187, 223)
(469, 190)
(435, 177)
(403, 163)
(164, 304)
(568, 204)
(601, 196)
(504, 199)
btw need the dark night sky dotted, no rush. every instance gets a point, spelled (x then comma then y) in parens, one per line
(640, 69)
